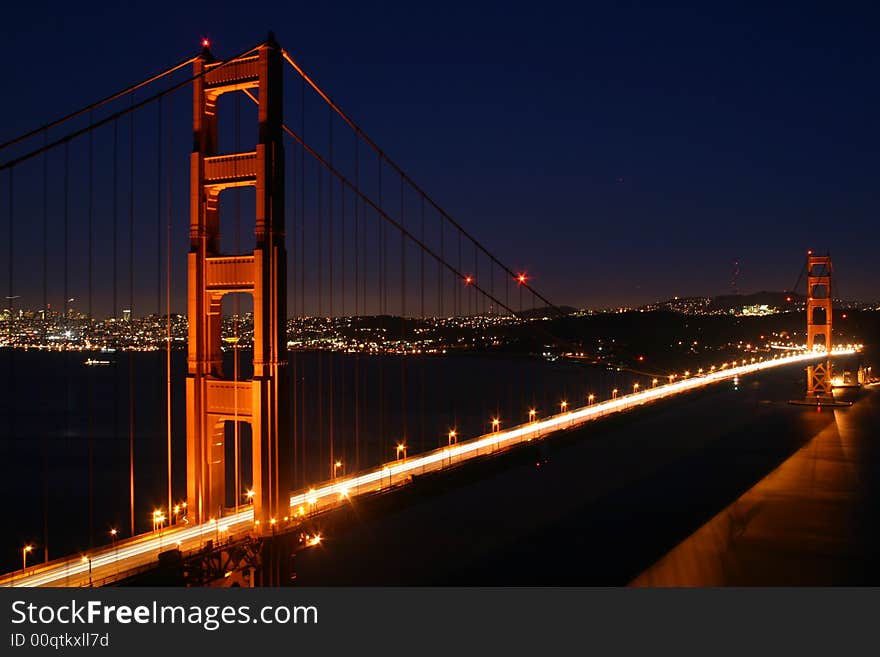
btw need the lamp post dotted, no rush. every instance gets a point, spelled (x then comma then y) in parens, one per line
(453, 437)
(532, 413)
(158, 520)
(401, 447)
(562, 406)
(614, 393)
(336, 466)
(496, 424)
(24, 553)
(654, 383)
(590, 399)
(87, 558)
(635, 387)
(113, 534)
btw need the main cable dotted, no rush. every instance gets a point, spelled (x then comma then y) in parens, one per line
(96, 105)
(403, 174)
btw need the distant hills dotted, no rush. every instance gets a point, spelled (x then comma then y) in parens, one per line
(780, 300)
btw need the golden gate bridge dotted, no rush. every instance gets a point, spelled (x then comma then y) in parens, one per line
(340, 233)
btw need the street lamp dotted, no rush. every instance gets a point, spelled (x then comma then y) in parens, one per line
(250, 496)
(87, 558)
(654, 383)
(158, 520)
(453, 436)
(614, 393)
(24, 553)
(591, 398)
(336, 466)
(532, 413)
(401, 447)
(496, 424)
(635, 387)
(562, 406)
(113, 534)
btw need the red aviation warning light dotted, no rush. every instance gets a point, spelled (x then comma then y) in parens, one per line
(205, 42)
(468, 280)
(521, 279)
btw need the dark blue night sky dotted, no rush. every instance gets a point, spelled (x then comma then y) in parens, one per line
(620, 153)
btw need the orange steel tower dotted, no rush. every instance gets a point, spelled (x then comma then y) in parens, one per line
(211, 398)
(819, 324)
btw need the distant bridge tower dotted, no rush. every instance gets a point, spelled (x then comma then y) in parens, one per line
(211, 398)
(819, 325)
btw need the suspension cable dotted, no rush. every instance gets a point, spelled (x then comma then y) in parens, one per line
(96, 105)
(123, 112)
(372, 204)
(305, 76)
(396, 224)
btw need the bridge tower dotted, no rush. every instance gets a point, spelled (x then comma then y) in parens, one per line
(212, 399)
(819, 325)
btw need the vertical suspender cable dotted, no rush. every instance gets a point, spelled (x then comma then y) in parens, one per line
(422, 263)
(403, 339)
(320, 397)
(383, 352)
(482, 299)
(346, 440)
(293, 355)
(66, 295)
(66, 230)
(89, 390)
(331, 359)
(356, 322)
(10, 373)
(422, 315)
(168, 311)
(44, 439)
(302, 273)
(159, 245)
(458, 305)
(115, 314)
(131, 316)
(440, 262)
(236, 311)
(342, 357)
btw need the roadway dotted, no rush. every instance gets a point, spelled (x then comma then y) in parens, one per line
(105, 564)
